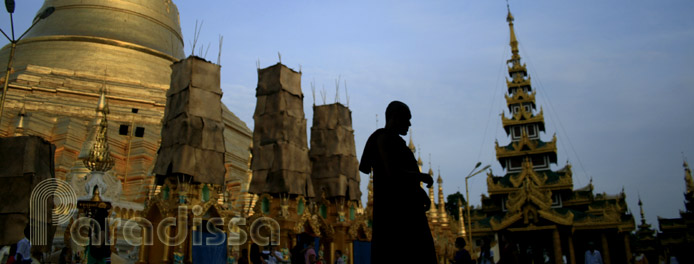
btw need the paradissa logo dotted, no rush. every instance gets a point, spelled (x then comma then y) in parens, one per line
(145, 235)
(139, 231)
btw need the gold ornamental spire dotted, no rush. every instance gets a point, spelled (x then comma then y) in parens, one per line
(442, 202)
(370, 187)
(688, 178)
(99, 158)
(643, 218)
(461, 222)
(514, 41)
(411, 144)
(19, 128)
(433, 215)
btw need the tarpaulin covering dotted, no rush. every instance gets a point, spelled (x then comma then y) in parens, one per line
(280, 160)
(333, 153)
(192, 136)
(25, 161)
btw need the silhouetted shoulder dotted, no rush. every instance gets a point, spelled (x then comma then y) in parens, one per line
(370, 154)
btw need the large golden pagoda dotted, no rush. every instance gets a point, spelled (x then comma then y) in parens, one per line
(534, 210)
(124, 48)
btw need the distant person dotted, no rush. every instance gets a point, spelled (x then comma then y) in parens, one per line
(244, 257)
(397, 196)
(310, 256)
(65, 256)
(592, 255)
(486, 254)
(339, 258)
(24, 248)
(296, 254)
(13, 253)
(673, 260)
(640, 258)
(509, 253)
(462, 256)
(256, 255)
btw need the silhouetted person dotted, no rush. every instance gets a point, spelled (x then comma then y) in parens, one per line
(486, 255)
(592, 255)
(399, 218)
(256, 256)
(23, 254)
(462, 256)
(509, 253)
(244, 257)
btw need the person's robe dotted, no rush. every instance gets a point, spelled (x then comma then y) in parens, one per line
(399, 203)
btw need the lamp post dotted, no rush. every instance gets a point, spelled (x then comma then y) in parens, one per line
(9, 5)
(467, 197)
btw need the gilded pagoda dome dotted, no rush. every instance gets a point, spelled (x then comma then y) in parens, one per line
(98, 36)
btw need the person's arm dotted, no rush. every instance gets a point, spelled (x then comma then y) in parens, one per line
(385, 151)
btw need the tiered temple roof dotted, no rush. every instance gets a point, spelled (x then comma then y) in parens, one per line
(531, 196)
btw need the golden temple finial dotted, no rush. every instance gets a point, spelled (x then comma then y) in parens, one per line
(411, 144)
(461, 222)
(370, 187)
(430, 172)
(688, 178)
(19, 128)
(419, 158)
(513, 42)
(99, 158)
(643, 218)
(439, 180)
(96, 197)
(442, 202)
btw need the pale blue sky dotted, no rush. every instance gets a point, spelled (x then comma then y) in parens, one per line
(614, 77)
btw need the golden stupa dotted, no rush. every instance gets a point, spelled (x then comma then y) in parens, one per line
(126, 48)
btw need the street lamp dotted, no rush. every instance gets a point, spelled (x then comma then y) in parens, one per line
(467, 197)
(9, 5)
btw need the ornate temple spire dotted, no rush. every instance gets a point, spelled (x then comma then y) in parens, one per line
(514, 41)
(688, 178)
(643, 218)
(419, 159)
(99, 158)
(19, 127)
(432, 213)
(461, 221)
(411, 144)
(370, 188)
(442, 203)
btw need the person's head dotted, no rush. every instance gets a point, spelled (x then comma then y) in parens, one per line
(338, 253)
(591, 246)
(398, 117)
(460, 243)
(27, 231)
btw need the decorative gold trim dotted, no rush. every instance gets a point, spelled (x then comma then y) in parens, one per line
(528, 117)
(519, 98)
(525, 141)
(99, 40)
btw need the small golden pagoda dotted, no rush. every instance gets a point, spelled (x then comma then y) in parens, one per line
(534, 209)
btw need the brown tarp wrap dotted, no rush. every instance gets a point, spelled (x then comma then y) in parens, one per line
(333, 153)
(280, 161)
(192, 136)
(25, 161)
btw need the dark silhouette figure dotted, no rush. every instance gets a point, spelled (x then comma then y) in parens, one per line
(462, 256)
(399, 203)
